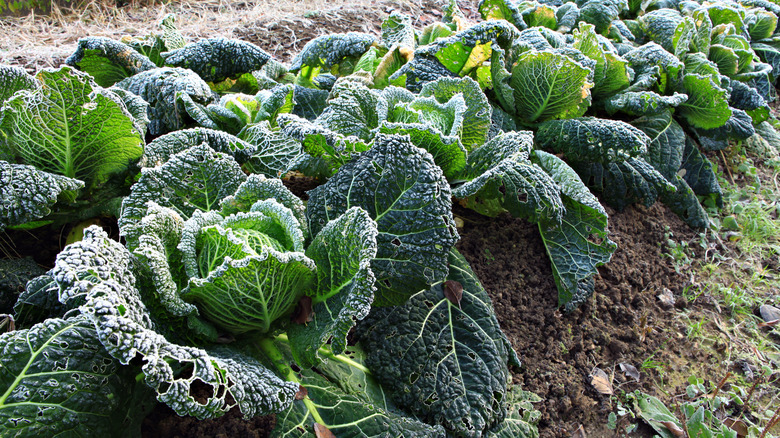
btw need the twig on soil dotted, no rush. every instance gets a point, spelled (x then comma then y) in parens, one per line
(720, 385)
(726, 165)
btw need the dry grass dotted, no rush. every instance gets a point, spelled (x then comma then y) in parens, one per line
(36, 41)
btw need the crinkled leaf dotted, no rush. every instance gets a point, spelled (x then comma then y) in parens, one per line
(193, 179)
(108, 61)
(738, 127)
(14, 275)
(643, 103)
(99, 271)
(353, 111)
(38, 301)
(590, 139)
(237, 299)
(447, 151)
(259, 188)
(667, 142)
(579, 244)
(707, 106)
(398, 29)
(611, 73)
(320, 142)
(351, 403)
(402, 188)
(217, 59)
(601, 13)
(161, 88)
(626, 182)
(135, 105)
(309, 102)
(476, 118)
(699, 173)
(58, 380)
(501, 10)
(568, 15)
(445, 363)
(70, 126)
(162, 148)
(27, 194)
(651, 59)
(328, 52)
(13, 79)
(275, 154)
(521, 188)
(747, 98)
(762, 24)
(521, 417)
(542, 86)
(344, 285)
(684, 203)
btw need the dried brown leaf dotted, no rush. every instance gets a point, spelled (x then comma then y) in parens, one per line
(303, 312)
(630, 371)
(302, 393)
(321, 431)
(579, 433)
(453, 291)
(737, 425)
(673, 428)
(601, 381)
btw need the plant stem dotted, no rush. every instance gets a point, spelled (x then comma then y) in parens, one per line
(330, 355)
(269, 349)
(720, 385)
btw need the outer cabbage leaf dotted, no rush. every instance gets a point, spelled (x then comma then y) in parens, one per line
(14, 275)
(217, 59)
(58, 380)
(276, 153)
(476, 118)
(601, 13)
(135, 105)
(670, 29)
(445, 361)
(652, 60)
(164, 89)
(169, 38)
(400, 187)
(502, 10)
(521, 417)
(320, 142)
(739, 127)
(69, 126)
(108, 61)
(259, 188)
(667, 142)
(542, 86)
(336, 53)
(568, 15)
(643, 103)
(397, 29)
(164, 147)
(352, 110)
(761, 24)
(699, 173)
(39, 301)
(27, 194)
(344, 285)
(13, 79)
(309, 102)
(707, 106)
(684, 203)
(579, 244)
(588, 139)
(99, 271)
(194, 179)
(457, 55)
(626, 182)
(350, 403)
(447, 151)
(747, 98)
(611, 73)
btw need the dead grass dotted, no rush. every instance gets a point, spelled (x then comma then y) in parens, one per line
(36, 41)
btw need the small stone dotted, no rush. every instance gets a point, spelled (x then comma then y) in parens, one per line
(666, 299)
(769, 313)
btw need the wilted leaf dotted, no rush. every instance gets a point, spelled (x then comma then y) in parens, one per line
(737, 425)
(321, 431)
(674, 429)
(601, 381)
(303, 311)
(630, 371)
(302, 393)
(453, 291)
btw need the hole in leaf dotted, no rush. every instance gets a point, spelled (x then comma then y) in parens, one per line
(522, 196)
(396, 242)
